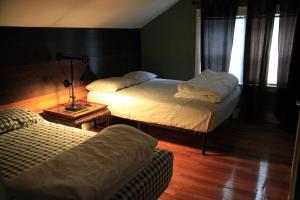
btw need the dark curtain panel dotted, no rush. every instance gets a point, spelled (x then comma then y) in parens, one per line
(289, 92)
(257, 47)
(218, 20)
(287, 25)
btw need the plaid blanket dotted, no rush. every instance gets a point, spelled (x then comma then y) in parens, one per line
(27, 145)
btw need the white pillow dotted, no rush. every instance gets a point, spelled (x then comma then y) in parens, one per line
(111, 84)
(140, 76)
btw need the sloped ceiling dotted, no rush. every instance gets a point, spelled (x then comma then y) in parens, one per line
(81, 13)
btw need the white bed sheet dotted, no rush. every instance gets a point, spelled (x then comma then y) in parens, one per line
(154, 102)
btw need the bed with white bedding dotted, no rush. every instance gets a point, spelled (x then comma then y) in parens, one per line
(198, 105)
(153, 102)
(44, 160)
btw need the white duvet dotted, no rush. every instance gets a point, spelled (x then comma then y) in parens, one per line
(209, 86)
(154, 102)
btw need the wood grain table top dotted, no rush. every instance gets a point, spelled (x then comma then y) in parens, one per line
(88, 108)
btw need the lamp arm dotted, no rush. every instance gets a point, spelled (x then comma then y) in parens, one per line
(84, 59)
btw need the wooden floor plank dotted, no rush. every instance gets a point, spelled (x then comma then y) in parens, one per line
(244, 161)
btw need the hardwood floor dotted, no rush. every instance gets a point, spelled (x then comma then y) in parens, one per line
(242, 162)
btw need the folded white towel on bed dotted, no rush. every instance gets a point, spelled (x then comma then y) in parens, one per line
(208, 86)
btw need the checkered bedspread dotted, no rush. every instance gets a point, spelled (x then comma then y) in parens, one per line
(39, 140)
(26, 147)
(151, 181)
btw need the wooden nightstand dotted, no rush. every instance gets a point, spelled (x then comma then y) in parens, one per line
(90, 112)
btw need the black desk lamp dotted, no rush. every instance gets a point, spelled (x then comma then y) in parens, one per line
(84, 59)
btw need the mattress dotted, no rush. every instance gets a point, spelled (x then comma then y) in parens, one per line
(151, 181)
(154, 102)
(27, 147)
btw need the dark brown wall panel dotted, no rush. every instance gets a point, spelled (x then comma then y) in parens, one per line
(28, 67)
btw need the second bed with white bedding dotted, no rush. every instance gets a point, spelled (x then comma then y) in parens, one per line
(154, 102)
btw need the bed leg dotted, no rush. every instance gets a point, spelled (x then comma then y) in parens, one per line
(203, 144)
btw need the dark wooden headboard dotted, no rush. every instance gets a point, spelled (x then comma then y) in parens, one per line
(30, 75)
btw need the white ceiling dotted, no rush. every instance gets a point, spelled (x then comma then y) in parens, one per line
(81, 13)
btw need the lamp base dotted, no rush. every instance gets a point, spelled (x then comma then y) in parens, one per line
(73, 107)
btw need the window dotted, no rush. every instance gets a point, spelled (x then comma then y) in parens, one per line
(273, 57)
(237, 53)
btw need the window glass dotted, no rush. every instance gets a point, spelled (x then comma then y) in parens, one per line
(273, 57)
(237, 54)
